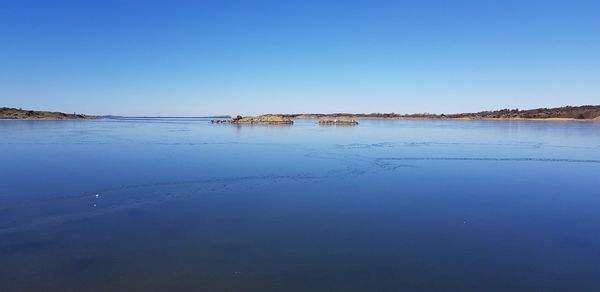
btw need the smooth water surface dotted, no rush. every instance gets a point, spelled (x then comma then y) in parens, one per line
(185, 205)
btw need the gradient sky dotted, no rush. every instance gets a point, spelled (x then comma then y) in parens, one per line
(192, 58)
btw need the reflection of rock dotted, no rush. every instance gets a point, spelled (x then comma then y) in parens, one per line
(341, 122)
(266, 119)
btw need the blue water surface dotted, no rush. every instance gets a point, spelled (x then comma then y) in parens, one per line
(181, 204)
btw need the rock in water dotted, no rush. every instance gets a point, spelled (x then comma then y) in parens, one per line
(265, 119)
(340, 122)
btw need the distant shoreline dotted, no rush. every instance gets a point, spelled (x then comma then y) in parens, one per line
(463, 119)
(560, 114)
(585, 113)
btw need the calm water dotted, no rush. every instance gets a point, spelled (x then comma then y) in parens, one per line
(181, 204)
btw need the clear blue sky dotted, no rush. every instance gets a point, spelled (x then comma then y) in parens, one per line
(251, 57)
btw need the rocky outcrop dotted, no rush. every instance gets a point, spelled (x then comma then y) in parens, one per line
(265, 120)
(338, 122)
(19, 114)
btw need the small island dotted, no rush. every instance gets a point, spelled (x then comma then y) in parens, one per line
(7, 113)
(337, 122)
(264, 119)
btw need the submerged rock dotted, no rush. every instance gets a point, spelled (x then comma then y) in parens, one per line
(340, 122)
(265, 119)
